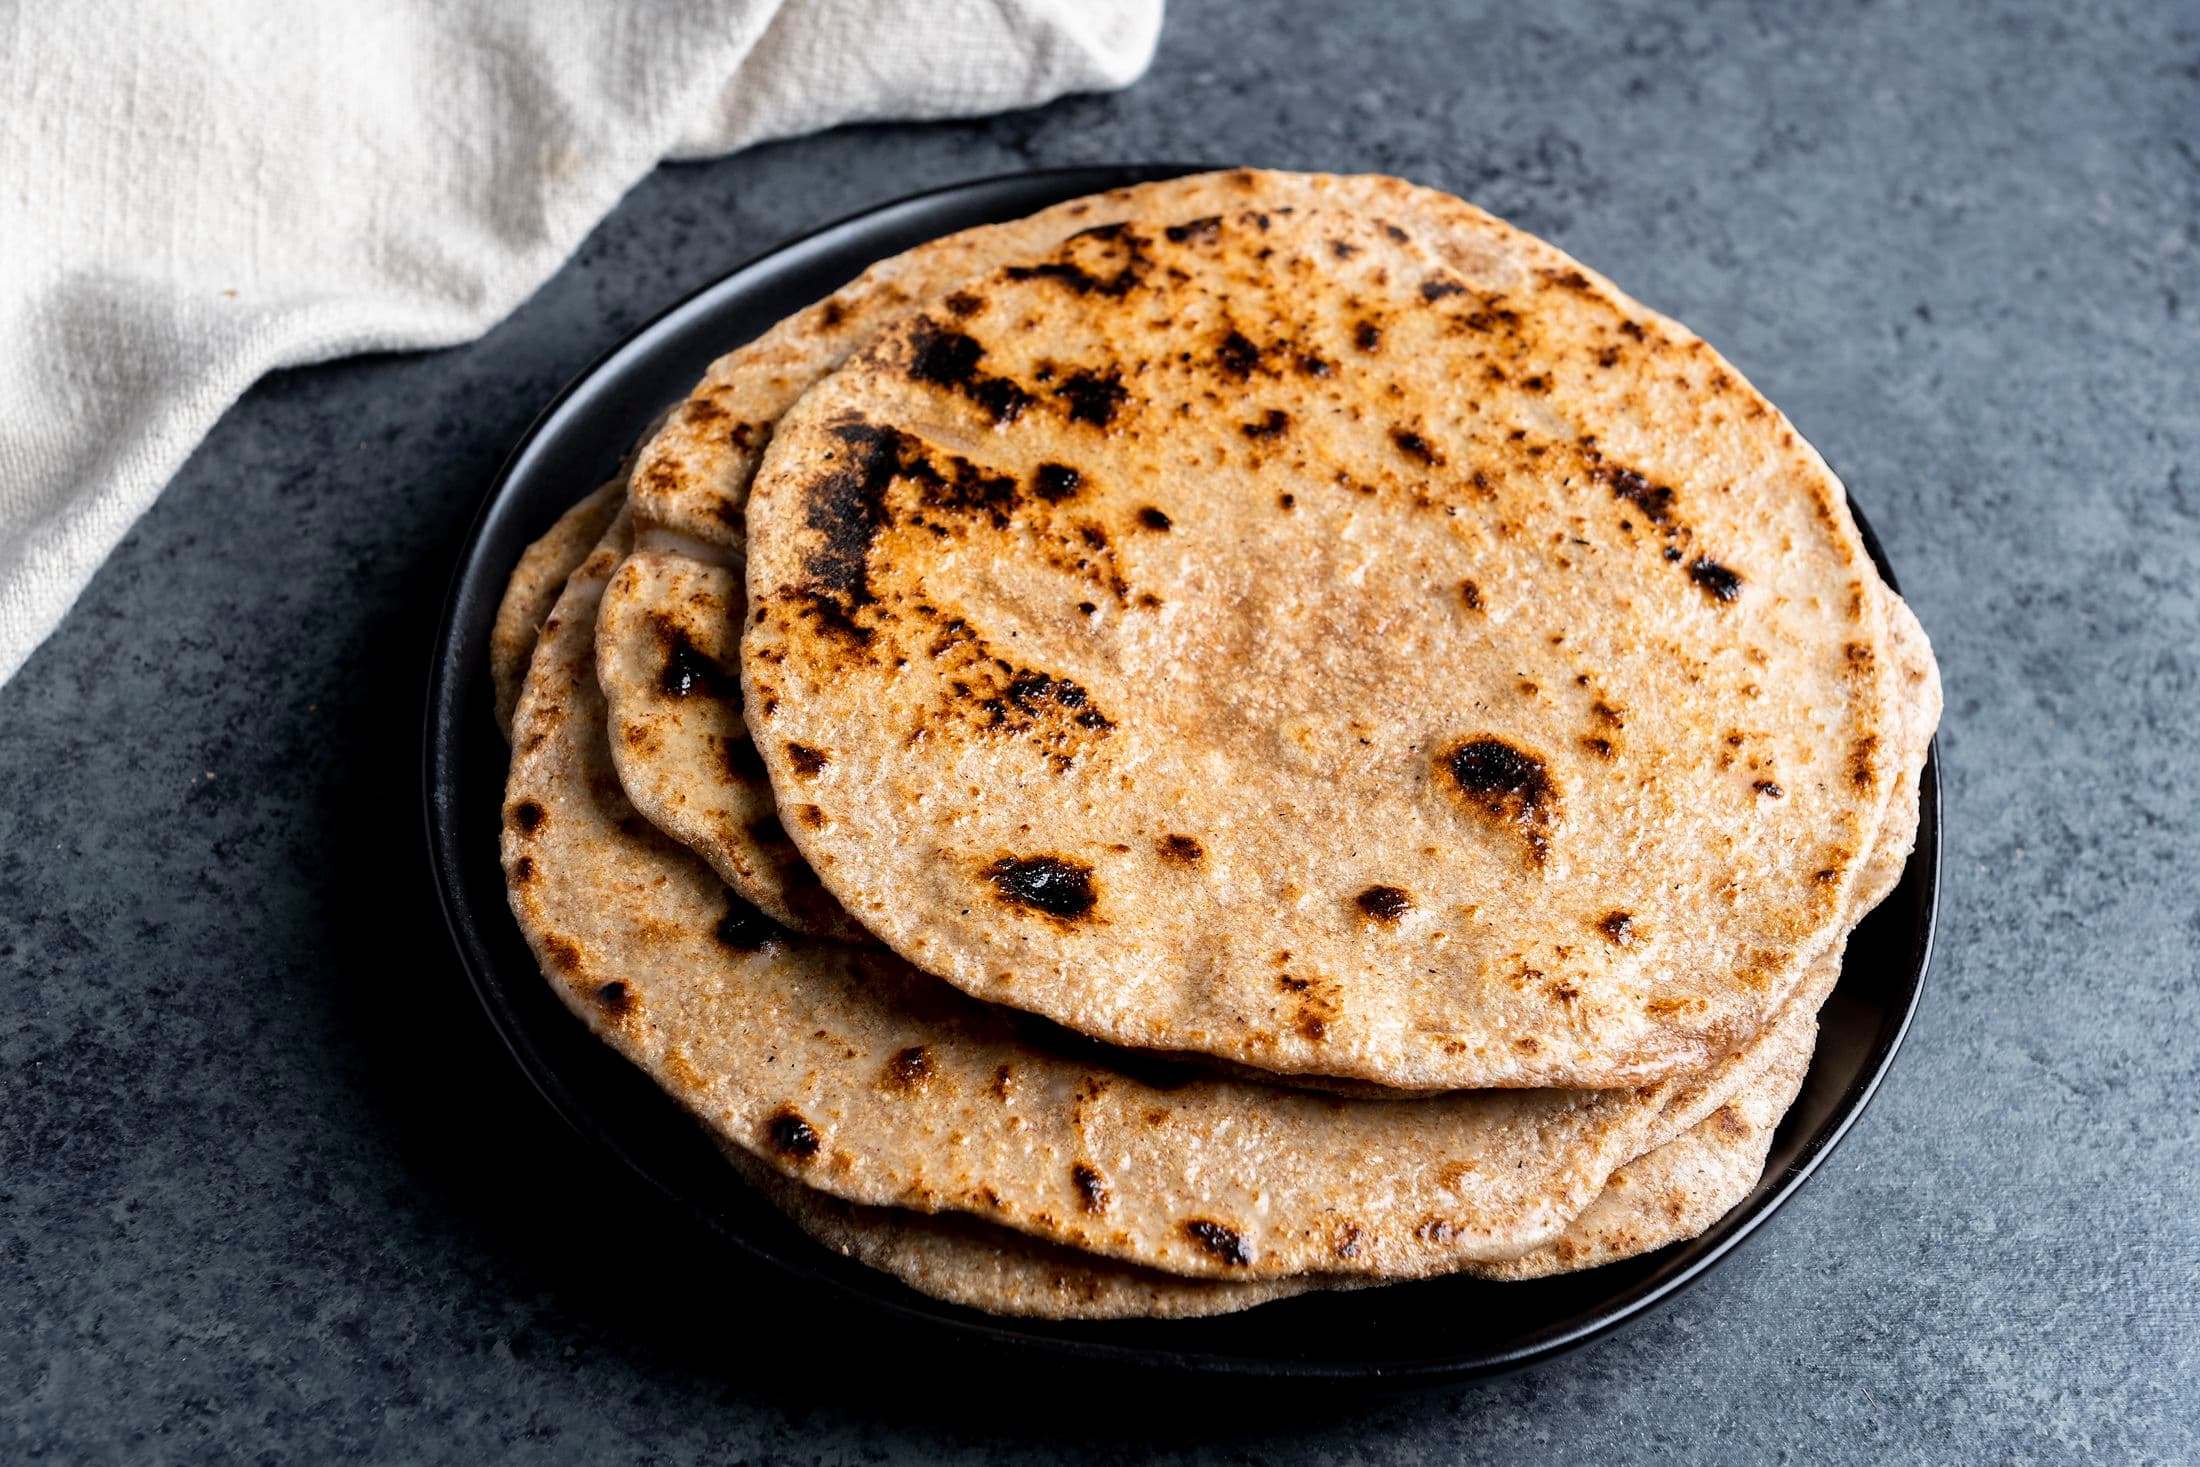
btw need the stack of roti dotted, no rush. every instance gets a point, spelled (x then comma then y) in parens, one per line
(1251, 734)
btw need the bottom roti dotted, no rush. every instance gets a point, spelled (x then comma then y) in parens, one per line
(1672, 1193)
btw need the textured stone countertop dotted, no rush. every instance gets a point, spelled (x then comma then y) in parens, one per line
(269, 1187)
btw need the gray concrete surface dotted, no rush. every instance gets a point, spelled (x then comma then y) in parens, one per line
(267, 1189)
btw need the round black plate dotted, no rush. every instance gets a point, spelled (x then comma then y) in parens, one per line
(1445, 1329)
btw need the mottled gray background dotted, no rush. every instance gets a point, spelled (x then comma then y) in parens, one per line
(268, 1188)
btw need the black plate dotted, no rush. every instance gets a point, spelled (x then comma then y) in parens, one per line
(1445, 1329)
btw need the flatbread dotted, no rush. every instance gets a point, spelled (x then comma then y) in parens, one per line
(866, 1079)
(1917, 705)
(1673, 1192)
(959, 1259)
(534, 587)
(1159, 635)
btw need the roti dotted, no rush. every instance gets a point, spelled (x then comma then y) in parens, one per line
(1330, 644)
(1674, 1192)
(860, 1076)
(1918, 703)
(534, 588)
(1680, 1189)
(1670, 1192)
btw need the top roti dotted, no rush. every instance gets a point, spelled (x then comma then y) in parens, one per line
(1330, 645)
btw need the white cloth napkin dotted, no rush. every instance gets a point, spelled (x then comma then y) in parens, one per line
(194, 194)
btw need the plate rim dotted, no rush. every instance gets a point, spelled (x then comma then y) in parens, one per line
(452, 683)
